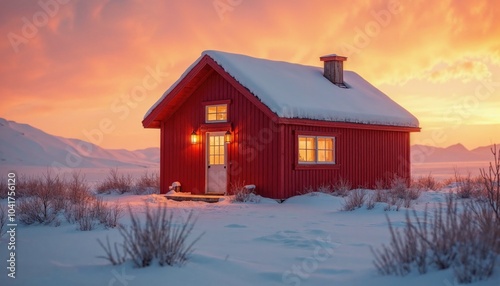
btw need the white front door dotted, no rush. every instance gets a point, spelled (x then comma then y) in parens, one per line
(216, 163)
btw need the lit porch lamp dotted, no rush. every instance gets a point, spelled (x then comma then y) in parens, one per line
(194, 137)
(227, 137)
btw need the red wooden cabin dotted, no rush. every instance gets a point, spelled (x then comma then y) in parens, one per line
(233, 119)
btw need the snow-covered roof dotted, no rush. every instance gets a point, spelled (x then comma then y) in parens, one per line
(299, 91)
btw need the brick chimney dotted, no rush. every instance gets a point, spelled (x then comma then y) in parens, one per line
(334, 69)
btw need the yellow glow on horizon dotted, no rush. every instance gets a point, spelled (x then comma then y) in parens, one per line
(87, 63)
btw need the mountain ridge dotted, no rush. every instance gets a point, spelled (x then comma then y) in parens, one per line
(453, 153)
(24, 145)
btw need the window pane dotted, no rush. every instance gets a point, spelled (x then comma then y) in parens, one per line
(321, 156)
(321, 143)
(302, 143)
(221, 150)
(211, 117)
(221, 116)
(212, 161)
(221, 108)
(329, 156)
(212, 150)
(302, 155)
(311, 156)
(329, 143)
(311, 143)
(216, 112)
(313, 149)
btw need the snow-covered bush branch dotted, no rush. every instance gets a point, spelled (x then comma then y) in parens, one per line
(160, 237)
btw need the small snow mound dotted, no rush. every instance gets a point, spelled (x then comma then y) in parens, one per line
(154, 199)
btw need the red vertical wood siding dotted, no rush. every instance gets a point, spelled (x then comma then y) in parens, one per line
(252, 156)
(264, 153)
(362, 157)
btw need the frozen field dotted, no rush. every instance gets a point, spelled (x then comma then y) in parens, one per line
(307, 240)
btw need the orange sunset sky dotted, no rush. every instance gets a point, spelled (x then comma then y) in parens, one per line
(66, 64)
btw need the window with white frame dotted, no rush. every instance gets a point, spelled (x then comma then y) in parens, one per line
(316, 149)
(216, 113)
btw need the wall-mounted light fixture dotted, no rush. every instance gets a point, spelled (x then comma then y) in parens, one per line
(194, 138)
(227, 137)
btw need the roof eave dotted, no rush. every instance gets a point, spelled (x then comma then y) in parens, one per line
(154, 118)
(350, 125)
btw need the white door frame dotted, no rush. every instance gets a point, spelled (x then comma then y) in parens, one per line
(222, 168)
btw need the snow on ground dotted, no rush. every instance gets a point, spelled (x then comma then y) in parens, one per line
(307, 240)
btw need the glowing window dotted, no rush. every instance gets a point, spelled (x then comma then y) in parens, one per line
(316, 150)
(216, 113)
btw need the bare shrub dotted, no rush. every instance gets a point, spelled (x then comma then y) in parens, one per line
(27, 185)
(86, 221)
(243, 194)
(148, 183)
(448, 183)
(309, 190)
(77, 188)
(43, 199)
(380, 184)
(341, 187)
(403, 250)
(354, 200)
(31, 210)
(370, 203)
(448, 238)
(74, 212)
(92, 211)
(398, 188)
(158, 237)
(99, 208)
(3, 219)
(69, 211)
(52, 192)
(109, 217)
(381, 196)
(400, 194)
(491, 183)
(115, 183)
(427, 183)
(466, 186)
(113, 255)
(325, 189)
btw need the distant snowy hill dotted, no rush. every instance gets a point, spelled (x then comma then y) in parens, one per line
(24, 145)
(453, 153)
